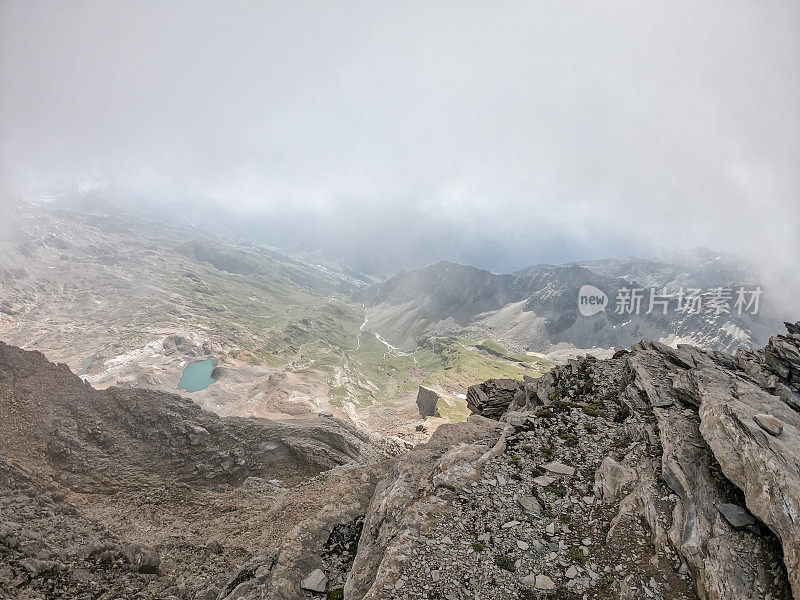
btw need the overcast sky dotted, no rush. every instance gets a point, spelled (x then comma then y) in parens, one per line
(495, 133)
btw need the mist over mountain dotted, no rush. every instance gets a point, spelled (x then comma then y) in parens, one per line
(391, 138)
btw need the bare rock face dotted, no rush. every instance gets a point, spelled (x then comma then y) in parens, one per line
(427, 401)
(745, 432)
(407, 503)
(705, 409)
(763, 464)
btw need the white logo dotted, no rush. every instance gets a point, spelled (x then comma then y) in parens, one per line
(591, 300)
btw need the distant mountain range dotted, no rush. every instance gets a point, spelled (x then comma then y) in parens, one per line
(537, 309)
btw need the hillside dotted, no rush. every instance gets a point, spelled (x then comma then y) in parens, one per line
(537, 308)
(660, 473)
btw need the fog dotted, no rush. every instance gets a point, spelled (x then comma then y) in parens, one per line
(389, 135)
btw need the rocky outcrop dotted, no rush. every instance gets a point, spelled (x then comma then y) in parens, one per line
(496, 396)
(407, 501)
(782, 356)
(699, 446)
(756, 440)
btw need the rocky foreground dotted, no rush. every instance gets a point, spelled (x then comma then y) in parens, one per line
(659, 473)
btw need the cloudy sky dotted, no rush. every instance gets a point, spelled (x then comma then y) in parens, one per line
(501, 134)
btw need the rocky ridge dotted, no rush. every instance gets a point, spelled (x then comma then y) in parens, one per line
(660, 473)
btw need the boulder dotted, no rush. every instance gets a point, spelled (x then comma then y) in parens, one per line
(736, 516)
(530, 505)
(427, 401)
(141, 559)
(611, 478)
(316, 581)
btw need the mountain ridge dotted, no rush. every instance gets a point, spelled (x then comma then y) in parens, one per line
(417, 303)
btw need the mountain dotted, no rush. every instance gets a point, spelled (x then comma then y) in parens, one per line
(537, 309)
(659, 473)
(697, 268)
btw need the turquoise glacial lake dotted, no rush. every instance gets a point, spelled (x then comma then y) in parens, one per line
(197, 376)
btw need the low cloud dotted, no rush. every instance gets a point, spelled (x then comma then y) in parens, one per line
(400, 134)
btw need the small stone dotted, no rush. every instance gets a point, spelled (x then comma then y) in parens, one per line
(543, 480)
(571, 573)
(530, 505)
(435, 575)
(522, 545)
(36, 566)
(317, 581)
(398, 584)
(543, 582)
(560, 468)
(772, 425)
(510, 524)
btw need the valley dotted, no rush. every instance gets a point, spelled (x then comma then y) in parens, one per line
(148, 297)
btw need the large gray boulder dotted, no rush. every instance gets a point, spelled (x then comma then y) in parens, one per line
(427, 401)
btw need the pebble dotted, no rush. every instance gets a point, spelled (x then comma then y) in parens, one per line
(571, 573)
